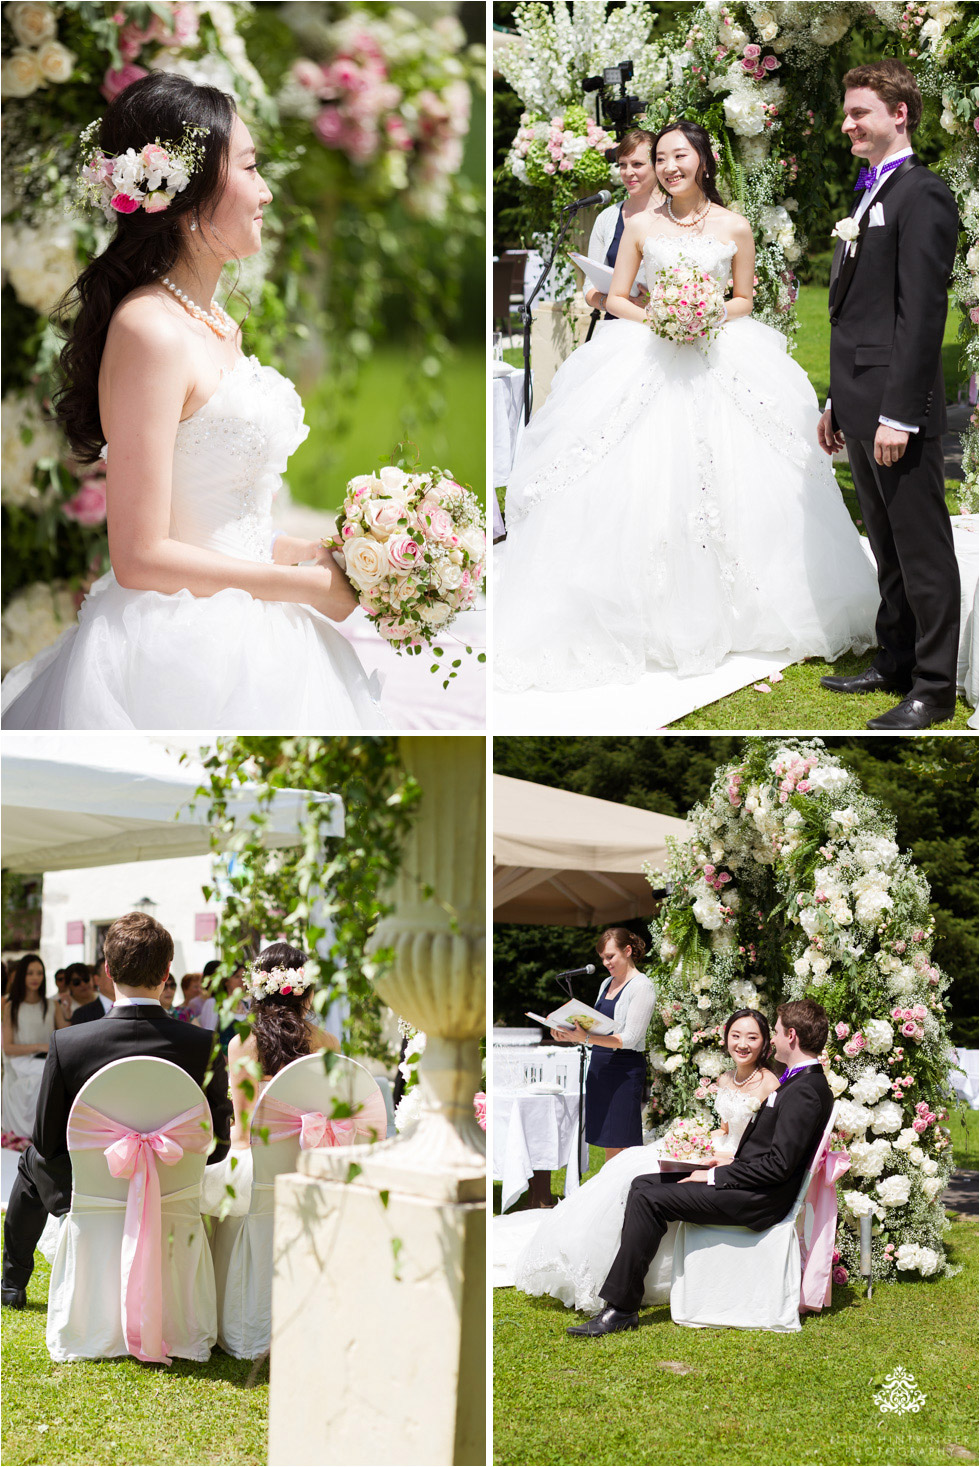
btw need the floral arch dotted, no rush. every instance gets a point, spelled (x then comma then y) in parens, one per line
(764, 80)
(793, 885)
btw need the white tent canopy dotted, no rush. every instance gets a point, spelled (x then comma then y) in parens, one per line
(572, 860)
(94, 800)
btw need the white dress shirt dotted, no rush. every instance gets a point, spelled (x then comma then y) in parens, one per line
(864, 205)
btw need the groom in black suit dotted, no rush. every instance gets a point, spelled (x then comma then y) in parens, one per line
(138, 954)
(887, 399)
(755, 1190)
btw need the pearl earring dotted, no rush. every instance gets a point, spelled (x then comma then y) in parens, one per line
(193, 227)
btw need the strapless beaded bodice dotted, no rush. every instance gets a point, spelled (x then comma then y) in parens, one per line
(736, 1110)
(228, 460)
(661, 251)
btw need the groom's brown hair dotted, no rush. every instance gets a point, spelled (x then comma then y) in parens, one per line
(892, 81)
(138, 951)
(809, 1019)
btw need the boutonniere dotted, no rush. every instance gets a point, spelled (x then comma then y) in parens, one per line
(847, 230)
(753, 1103)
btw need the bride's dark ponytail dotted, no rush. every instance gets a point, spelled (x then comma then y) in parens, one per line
(146, 246)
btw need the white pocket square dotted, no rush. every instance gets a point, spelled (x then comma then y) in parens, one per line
(772, 1098)
(876, 215)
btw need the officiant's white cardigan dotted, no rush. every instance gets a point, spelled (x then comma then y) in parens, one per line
(601, 238)
(633, 1011)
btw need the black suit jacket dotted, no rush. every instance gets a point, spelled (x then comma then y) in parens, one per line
(778, 1144)
(88, 1012)
(888, 308)
(131, 1031)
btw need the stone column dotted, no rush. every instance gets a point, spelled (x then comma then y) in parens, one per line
(378, 1320)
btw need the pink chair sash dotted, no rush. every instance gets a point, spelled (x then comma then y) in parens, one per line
(818, 1259)
(135, 1155)
(279, 1120)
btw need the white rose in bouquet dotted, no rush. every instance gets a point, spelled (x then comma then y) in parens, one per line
(886, 1118)
(827, 778)
(879, 1036)
(366, 560)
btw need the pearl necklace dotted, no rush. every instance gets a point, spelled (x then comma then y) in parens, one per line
(215, 318)
(689, 223)
(740, 1083)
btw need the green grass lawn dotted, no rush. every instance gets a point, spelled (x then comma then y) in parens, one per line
(321, 467)
(118, 1411)
(663, 1394)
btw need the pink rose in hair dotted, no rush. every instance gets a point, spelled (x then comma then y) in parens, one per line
(124, 204)
(155, 203)
(115, 82)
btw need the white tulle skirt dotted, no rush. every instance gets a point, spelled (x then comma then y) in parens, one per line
(671, 506)
(228, 662)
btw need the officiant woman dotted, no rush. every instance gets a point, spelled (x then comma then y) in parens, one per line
(638, 177)
(617, 1065)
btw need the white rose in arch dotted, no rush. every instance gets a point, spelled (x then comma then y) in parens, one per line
(56, 62)
(31, 21)
(20, 74)
(674, 1063)
(674, 1038)
(894, 1191)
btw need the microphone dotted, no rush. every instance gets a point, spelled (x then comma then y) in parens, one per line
(602, 197)
(585, 972)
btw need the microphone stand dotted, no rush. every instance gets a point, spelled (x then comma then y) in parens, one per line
(526, 311)
(581, 1108)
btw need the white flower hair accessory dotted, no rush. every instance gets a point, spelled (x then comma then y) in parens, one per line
(149, 178)
(261, 983)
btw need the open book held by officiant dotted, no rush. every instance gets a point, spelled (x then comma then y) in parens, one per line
(574, 1012)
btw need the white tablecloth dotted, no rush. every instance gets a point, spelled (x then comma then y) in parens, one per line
(534, 1133)
(966, 1079)
(508, 419)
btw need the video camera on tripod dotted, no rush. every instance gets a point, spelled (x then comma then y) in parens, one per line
(622, 110)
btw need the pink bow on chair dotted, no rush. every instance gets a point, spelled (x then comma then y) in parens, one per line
(818, 1259)
(134, 1155)
(281, 1120)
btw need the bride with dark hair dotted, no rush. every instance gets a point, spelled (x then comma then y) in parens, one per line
(670, 504)
(205, 609)
(280, 993)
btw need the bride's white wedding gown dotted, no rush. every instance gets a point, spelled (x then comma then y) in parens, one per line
(670, 505)
(572, 1250)
(227, 662)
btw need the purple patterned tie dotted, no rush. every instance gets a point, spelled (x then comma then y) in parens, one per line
(868, 177)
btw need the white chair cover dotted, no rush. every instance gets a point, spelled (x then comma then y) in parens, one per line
(87, 1292)
(736, 1278)
(243, 1246)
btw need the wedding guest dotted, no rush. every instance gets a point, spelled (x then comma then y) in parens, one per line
(228, 988)
(167, 994)
(79, 986)
(138, 952)
(29, 1018)
(617, 1067)
(192, 996)
(63, 996)
(101, 1001)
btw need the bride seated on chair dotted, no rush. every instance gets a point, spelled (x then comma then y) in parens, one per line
(571, 1251)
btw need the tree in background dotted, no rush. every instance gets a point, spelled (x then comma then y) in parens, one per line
(928, 784)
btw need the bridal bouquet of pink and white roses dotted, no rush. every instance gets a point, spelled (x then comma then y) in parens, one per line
(687, 1140)
(414, 550)
(686, 304)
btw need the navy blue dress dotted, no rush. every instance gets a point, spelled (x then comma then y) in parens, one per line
(614, 1090)
(612, 254)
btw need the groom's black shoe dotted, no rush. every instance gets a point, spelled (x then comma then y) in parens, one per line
(913, 713)
(869, 681)
(13, 1298)
(609, 1322)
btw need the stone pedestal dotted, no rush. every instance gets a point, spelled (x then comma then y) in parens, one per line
(378, 1322)
(556, 331)
(378, 1303)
